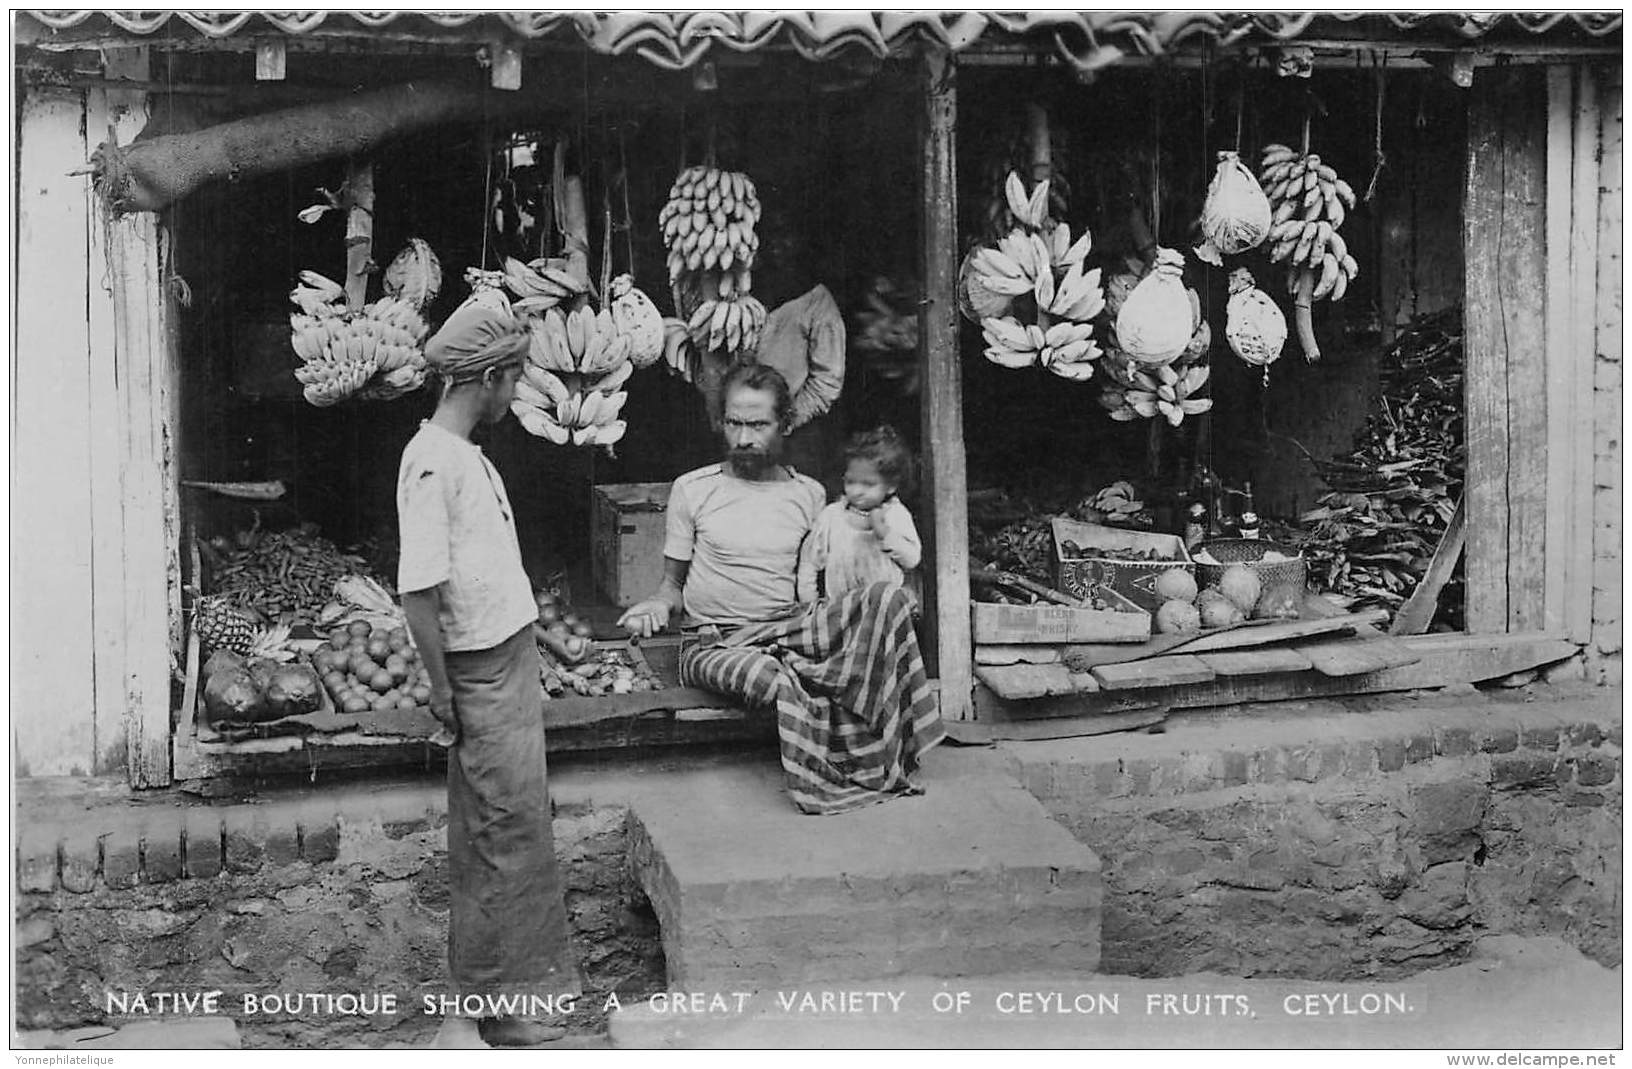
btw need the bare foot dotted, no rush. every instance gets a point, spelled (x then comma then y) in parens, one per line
(458, 1033)
(519, 1031)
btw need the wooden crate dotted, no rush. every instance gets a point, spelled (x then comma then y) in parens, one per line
(1091, 577)
(1032, 624)
(627, 525)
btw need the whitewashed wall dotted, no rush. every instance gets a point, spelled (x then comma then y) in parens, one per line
(95, 579)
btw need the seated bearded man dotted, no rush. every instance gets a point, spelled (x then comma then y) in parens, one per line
(845, 674)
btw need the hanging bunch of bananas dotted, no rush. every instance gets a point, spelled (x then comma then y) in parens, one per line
(1050, 300)
(571, 388)
(415, 275)
(708, 227)
(541, 285)
(1310, 203)
(1000, 214)
(374, 353)
(1165, 391)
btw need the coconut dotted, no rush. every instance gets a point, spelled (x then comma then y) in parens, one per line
(230, 695)
(1240, 584)
(1218, 611)
(1176, 584)
(1177, 617)
(1279, 602)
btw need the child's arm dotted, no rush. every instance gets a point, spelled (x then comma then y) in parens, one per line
(812, 559)
(897, 534)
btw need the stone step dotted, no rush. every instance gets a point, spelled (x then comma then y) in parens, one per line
(972, 878)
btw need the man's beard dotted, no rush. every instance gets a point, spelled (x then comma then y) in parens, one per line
(753, 463)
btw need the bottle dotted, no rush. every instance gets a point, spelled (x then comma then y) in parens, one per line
(1249, 519)
(1207, 488)
(1195, 528)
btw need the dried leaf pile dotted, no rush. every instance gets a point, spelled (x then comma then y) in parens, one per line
(1372, 536)
(1014, 534)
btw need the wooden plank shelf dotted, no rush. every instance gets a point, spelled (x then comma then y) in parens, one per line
(1169, 671)
(1255, 662)
(1368, 651)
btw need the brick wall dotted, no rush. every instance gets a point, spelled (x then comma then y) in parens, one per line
(346, 892)
(1345, 845)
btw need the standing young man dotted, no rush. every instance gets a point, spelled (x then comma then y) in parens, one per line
(471, 612)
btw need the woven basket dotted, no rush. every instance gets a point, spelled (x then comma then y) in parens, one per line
(1250, 551)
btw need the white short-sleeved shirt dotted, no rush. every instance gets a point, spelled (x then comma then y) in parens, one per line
(743, 539)
(458, 532)
(844, 546)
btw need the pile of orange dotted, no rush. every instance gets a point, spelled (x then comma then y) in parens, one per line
(367, 670)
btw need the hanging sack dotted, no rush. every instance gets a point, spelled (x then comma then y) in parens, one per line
(1154, 325)
(1236, 214)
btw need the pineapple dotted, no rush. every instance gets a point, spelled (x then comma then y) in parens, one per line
(219, 626)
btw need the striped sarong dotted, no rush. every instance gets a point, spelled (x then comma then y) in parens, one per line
(853, 705)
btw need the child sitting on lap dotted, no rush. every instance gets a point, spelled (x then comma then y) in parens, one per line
(867, 536)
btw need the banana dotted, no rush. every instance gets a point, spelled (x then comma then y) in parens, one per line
(698, 322)
(1330, 271)
(1350, 268)
(1276, 153)
(327, 287)
(1043, 291)
(1311, 199)
(1284, 213)
(1015, 193)
(614, 379)
(1339, 247)
(588, 405)
(716, 324)
(1306, 241)
(546, 383)
(1334, 205)
(1345, 191)
(611, 405)
(994, 264)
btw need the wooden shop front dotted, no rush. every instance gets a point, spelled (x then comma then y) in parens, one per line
(880, 144)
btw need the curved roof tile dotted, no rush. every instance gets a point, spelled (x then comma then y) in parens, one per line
(1088, 39)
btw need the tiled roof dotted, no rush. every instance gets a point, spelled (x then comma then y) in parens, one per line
(678, 39)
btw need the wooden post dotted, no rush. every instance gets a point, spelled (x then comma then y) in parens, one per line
(1504, 226)
(57, 675)
(1522, 305)
(1562, 407)
(359, 231)
(941, 371)
(1607, 369)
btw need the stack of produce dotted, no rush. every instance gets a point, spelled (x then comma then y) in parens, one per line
(240, 691)
(369, 670)
(610, 671)
(374, 353)
(708, 227)
(285, 574)
(1237, 596)
(1310, 202)
(1029, 292)
(571, 389)
(1391, 499)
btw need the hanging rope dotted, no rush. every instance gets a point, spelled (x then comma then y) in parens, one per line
(628, 216)
(487, 176)
(1380, 75)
